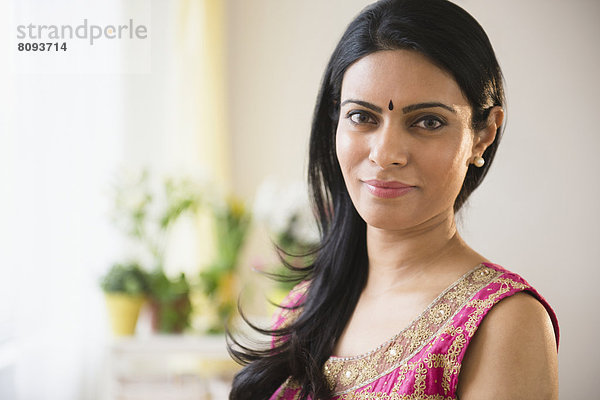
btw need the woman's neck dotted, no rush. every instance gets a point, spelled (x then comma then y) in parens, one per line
(408, 257)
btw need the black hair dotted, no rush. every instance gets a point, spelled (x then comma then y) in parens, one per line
(453, 40)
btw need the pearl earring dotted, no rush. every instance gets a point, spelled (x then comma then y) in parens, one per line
(479, 161)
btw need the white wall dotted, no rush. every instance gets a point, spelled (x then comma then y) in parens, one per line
(537, 213)
(277, 53)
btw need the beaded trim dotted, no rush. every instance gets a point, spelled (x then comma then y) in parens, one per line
(345, 374)
(393, 338)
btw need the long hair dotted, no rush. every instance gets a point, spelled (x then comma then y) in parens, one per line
(454, 41)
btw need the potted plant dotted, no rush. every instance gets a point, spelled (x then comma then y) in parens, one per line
(231, 222)
(125, 288)
(169, 302)
(146, 214)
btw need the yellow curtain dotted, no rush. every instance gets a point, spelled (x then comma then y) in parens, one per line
(201, 69)
(201, 37)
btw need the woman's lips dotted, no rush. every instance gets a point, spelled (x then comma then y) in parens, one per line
(387, 189)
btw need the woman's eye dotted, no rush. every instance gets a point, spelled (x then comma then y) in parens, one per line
(429, 123)
(360, 117)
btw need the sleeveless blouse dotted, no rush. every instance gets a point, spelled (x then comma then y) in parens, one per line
(424, 359)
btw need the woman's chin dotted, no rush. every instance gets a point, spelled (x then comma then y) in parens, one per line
(385, 221)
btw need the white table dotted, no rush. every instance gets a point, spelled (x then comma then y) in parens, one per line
(169, 367)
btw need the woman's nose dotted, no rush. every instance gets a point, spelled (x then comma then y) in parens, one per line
(389, 147)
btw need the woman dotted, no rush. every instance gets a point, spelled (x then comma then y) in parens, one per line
(407, 123)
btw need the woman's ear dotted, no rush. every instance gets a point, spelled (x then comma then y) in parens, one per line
(484, 137)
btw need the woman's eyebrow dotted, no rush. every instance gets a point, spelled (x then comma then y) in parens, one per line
(365, 104)
(405, 110)
(418, 106)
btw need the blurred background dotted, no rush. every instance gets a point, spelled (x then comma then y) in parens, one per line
(154, 173)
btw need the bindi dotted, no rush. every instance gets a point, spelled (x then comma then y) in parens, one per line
(391, 106)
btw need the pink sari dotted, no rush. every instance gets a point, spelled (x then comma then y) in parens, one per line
(424, 359)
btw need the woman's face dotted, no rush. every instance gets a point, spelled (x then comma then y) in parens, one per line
(404, 139)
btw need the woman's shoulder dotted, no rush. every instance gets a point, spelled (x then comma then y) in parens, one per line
(512, 354)
(511, 285)
(514, 347)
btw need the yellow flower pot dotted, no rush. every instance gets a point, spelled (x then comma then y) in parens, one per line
(123, 312)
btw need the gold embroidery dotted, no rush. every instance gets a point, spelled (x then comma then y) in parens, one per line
(451, 360)
(401, 377)
(511, 283)
(393, 354)
(418, 336)
(420, 374)
(453, 330)
(368, 368)
(435, 360)
(348, 377)
(359, 371)
(460, 293)
(482, 274)
(439, 313)
(289, 384)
